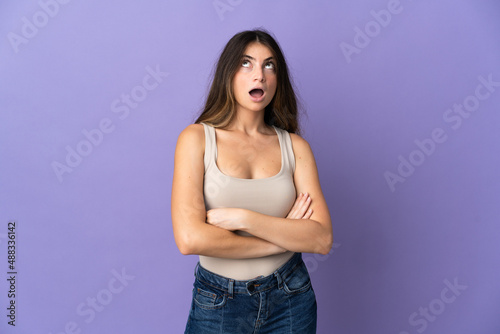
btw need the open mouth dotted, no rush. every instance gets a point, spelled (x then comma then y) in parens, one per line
(257, 93)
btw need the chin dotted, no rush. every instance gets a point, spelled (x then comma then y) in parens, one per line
(255, 107)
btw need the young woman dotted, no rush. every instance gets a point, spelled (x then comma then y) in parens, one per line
(246, 198)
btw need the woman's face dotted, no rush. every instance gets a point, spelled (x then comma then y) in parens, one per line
(254, 83)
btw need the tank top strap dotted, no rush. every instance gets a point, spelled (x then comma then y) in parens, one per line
(210, 147)
(286, 149)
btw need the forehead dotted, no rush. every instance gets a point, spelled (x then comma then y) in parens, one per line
(258, 50)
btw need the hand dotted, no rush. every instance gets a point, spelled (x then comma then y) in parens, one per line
(300, 209)
(227, 218)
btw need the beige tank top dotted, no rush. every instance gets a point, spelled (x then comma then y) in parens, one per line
(273, 196)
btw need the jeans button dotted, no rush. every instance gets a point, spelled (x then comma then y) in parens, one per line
(250, 288)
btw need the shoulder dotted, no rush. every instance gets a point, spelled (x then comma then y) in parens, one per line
(192, 137)
(306, 171)
(300, 146)
(192, 132)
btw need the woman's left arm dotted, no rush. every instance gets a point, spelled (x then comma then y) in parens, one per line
(311, 235)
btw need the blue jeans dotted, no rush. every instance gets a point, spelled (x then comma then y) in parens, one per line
(281, 303)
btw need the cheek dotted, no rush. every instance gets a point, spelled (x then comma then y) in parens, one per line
(273, 84)
(238, 83)
(238, 93)
(272, 80)
(236, 88)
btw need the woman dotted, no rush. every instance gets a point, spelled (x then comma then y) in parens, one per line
(246, 198)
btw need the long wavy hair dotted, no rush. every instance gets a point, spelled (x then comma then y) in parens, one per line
(220, 106)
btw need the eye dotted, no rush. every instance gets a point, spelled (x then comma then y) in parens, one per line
(245, 63)
(270, 66)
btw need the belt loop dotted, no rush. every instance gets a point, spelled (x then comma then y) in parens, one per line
(278, 277)
(230, 288)
(196, 268)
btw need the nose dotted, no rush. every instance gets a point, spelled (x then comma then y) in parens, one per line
(259, 74)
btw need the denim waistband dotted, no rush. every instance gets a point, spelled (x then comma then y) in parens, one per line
(252, 286)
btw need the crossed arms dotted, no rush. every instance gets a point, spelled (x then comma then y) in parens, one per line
(307, 227)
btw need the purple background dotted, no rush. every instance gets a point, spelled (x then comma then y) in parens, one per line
(394, 248)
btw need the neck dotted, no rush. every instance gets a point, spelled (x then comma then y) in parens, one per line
(248, 121)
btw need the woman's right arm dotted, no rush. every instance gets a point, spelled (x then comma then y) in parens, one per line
(192, 234)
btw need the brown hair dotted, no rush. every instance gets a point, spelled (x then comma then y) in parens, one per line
(220, 106)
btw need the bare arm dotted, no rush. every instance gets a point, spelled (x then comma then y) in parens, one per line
(192, 234)
(312, 234)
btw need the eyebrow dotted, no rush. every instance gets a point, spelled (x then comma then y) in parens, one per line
(247, 56)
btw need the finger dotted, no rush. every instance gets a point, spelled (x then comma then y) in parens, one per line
(293, 210)
(303, 205)
(210, 217)
(308, 214)
(296, 204)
